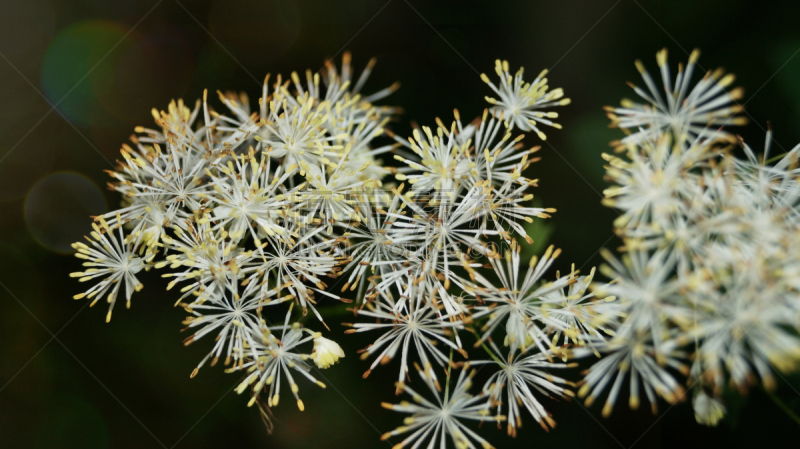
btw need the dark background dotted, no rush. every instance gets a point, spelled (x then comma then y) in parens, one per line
(104, 65)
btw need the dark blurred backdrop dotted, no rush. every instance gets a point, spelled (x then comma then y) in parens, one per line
(78, 75)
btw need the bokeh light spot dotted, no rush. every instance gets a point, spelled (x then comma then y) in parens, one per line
(154, 68)
(78, 67)
(25, 158)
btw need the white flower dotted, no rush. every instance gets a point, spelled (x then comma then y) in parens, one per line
(271, 361)
(249, 208)
(326, 352)
(363, 158)
(708, 273)
(776, 184)
(517, 302)
(579, 316)
(248, 195)
(115, 260)
(495, 160)
(504, 210)
(744, 328)
(687, 112)
(236, 132)
(157, 185)
(655, 184)
(330, 194)
(651, 297)
(231, 319)
(172, 174)
(289, 261)
(208, 260)
(520, 104)
(634, 357)
(433, 421)
(519, 376)
(371, 245)
(410, 328)
(339, 86)
(442, 231)
(443, 164)
(296, 134)
(178, 120)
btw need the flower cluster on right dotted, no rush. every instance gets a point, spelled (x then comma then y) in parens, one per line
(708, 272)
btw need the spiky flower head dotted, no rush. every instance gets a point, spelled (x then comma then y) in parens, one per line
(521, 104)
(258, 211)
(440, 420)
(705, 281)
(113, 259)
(682, 109)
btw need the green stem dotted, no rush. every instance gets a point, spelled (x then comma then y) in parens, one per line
(486, 348)
(775, 158)
(491, 354)
(449, 372)
(782, 405)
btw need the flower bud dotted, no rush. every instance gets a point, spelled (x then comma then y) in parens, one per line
(326, 352)
(707, 410)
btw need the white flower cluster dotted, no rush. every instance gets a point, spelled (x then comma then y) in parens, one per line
(253, 211)
(708, 275)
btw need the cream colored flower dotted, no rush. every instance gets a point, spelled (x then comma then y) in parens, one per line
(707, 410)
(521, 104)
(326, 352)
